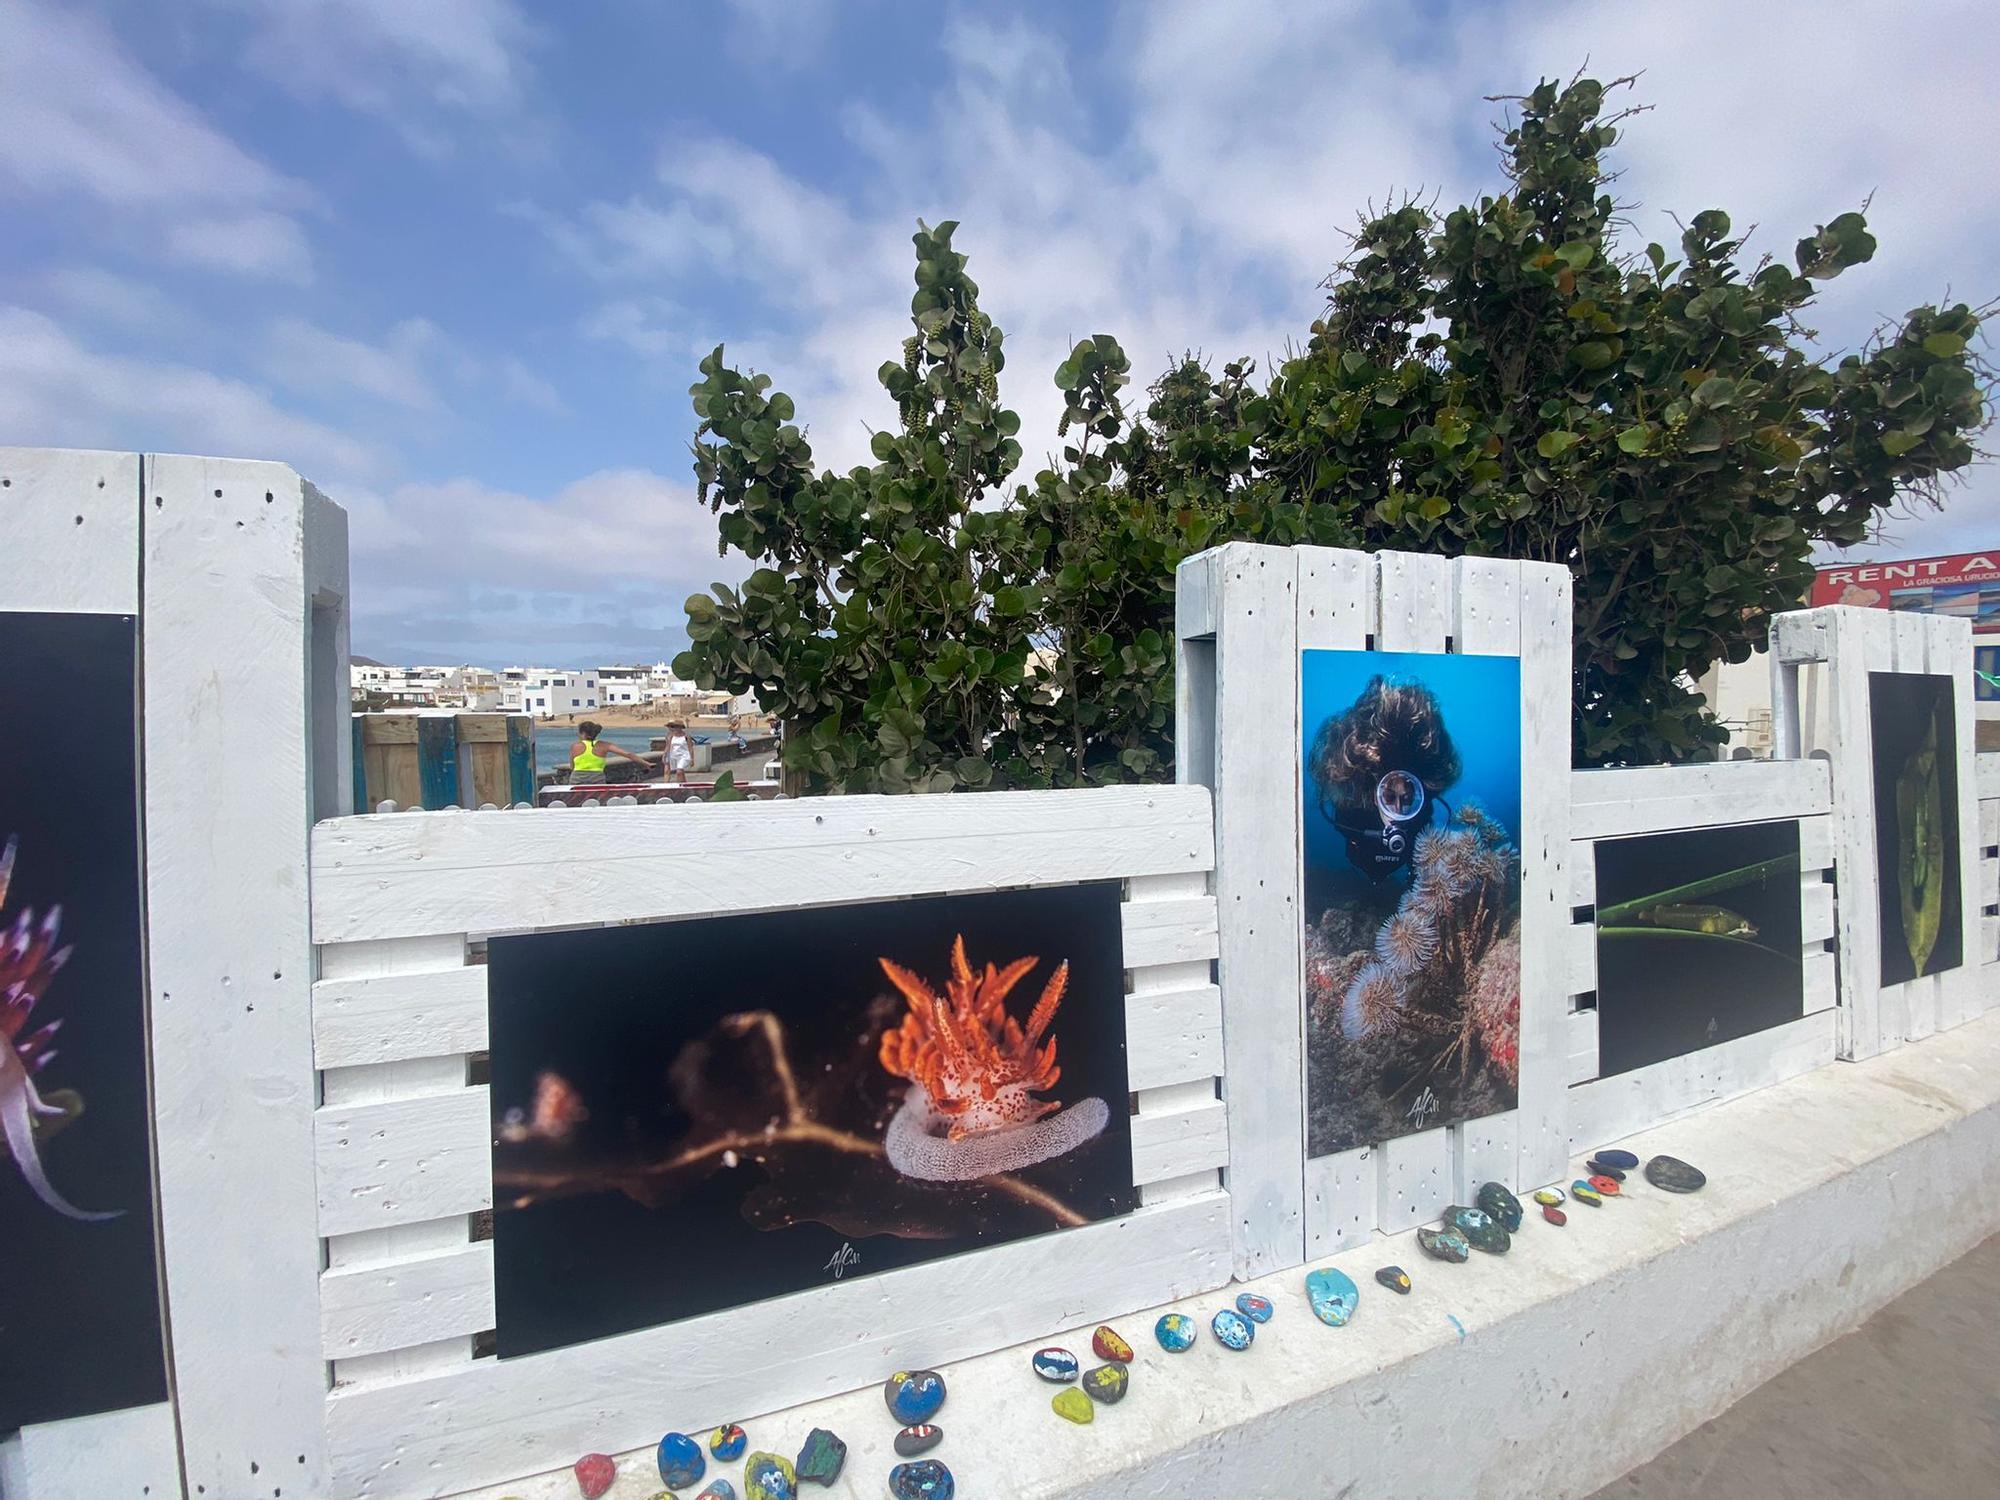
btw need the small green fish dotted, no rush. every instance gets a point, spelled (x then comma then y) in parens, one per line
(1716, 920)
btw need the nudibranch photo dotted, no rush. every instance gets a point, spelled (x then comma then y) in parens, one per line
(688, 1116)
(1411, 813)
(1913, 735)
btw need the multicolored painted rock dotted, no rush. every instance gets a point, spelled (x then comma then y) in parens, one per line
(920, 1438)
(1624, 1161)
(914, 1395)
(1549, 1197)
(1607, 1187)
(594, 1474)
(727, 1442)
(681, 1463)
(1072, 1405)
(1056, 1365)
(1257, 1309)
(1597, 1167)
(1333, 1296)
(1444, 1244)
(1672, 1175)
(1176, 1332)
(1108, 1343)
(1481, 1230)
(1107, 1383)
(1554, 1215)
(1583, 1192)
(766, 1476)
(820, 1457)
(926, 1479)
(1499, 1201)
(1395, 1278)
(717, 1489)
(1232, 1330)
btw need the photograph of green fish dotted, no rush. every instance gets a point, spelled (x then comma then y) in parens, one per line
(1914, 730)
(1698, 940)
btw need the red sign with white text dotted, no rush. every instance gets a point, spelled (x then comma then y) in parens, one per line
(1966, 584)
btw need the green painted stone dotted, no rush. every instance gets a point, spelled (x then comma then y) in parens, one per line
(1107, 1383)
(766, 1476)
(821, 1457)
(1444, 1244)
(1072, 1404)
(1481, 1230)
(1500, 1202)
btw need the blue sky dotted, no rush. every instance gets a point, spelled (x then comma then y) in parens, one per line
(456, 260)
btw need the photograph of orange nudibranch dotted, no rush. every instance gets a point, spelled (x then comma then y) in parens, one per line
(689, 1116)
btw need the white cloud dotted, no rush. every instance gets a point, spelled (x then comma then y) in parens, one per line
(523, 387)
(104, 297)
(262, 246)
(781, 35)
(307, 358)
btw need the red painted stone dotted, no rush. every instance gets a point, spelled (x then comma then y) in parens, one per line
(1554, 1215)
(1108, 1345)
(1605, 1185)
(594, 1474)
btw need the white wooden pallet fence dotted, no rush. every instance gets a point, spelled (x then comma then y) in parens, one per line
(403, 1140)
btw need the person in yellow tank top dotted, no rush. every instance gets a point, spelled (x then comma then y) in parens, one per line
(586, 755)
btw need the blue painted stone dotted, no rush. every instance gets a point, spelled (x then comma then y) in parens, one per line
(1444, 1244)
(1176, 1332)
(1257, 1309)
(1396, 1279)
(1333, 1296)
(717, 1489)
(1232, 1330)
(914, 1395)
(926, 1479)
(1624, 1161)
(1055, 1365)
(1597, 1166)
(766, 1476)
(681, 1463)
(1583, 1192)
(1499, 1201)
(727, 1442)
(1480, 1229)
(820, 1458)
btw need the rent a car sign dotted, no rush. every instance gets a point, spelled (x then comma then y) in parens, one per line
(1966, 584)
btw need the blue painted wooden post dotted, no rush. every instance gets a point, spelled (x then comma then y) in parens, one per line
(437, 761)
(361, 803)
(520, 758)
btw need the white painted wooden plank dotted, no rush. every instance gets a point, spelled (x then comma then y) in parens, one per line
(1949, 650)
(427, 1298)
(1655, 799)
(69, 531)
(1168, 932)
(1815, 910)
(1989, 952)
(1582, 874)
(225, 632)
(398, 1016)
(1414, 590)
(1612, 1108)
(381, 877)
(1580, 1033)
(1815, 843)
(1173, 1144)
(1858, 911)
(1485, 1150)
(1173, 1036)
(132, 1454)
(1340, 1200)
(1989, 814)
(1336, 593)
(1989, 882)
(1197, 602)
(1580, 958)
(404, 1160)
(506, 1417)
(1986, 775)
(1820, 983)
(1413, 1180)
(1193, 1185)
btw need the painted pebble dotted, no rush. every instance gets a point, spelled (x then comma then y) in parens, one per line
(1624, 1161)
(1481, 1230)
(1176, 1332)
(1257, 1309)
(1056, 1365)
(820, 1458)
(918, 1439)
(680, 1459)
(1549, 1197)
(727, 1442)
(1583, 1192)
(1554, 1215)
(1607, 1187)
(1107, 1383)
(1395, 1278)
(1444, 1244)
(594, 1474)
(1599, 1168)
(1231, 1329)
(1108, 1343)
(769, 1477)
(717, 1489)
(927, 1479)
(1672, 1175)
(1498, 1201)
(1333, 1296)
(1072, 1404)
(914, 1395)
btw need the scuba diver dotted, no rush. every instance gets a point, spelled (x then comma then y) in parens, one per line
(1379, 768)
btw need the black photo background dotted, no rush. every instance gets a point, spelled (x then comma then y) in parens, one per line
(1914, 732)
(1698, 940)
(689, 1116)
(79, 1303)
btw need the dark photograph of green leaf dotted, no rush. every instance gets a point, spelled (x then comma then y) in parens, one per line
(1698, 941)
(1914, 731)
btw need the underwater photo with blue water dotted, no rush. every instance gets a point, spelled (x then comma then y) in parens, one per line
(1410, 791)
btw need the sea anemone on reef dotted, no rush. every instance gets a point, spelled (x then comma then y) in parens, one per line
(1495, 1004)
(1372, 1002)
(974, 1072)
(1406, 942)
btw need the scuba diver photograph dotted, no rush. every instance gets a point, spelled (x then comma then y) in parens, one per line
(1410, 817)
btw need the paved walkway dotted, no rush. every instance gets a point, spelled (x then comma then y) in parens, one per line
(1906, 1407)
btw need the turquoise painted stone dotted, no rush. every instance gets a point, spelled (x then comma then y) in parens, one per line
(1333, 1296)
(1107, 1383)
(1232, 1330)
(1444, 1244)
(1176, 1332)
(769, 1477)
(1395, 1278)
(717, 1489)
(1500, 1202)
(727, 1442)
(1055, 1365)
(1583, 1192)
(927, 1479)
(820, 1458)
(920, 1438)
(681, 1463)
(914, 1395)
(1073, 1406)
(1624, 1161)
(1672, 1175)
(1257, 1309)
(1481, 1230)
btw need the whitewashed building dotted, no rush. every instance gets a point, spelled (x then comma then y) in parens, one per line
(549, 692)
